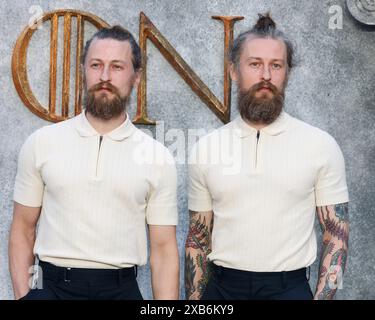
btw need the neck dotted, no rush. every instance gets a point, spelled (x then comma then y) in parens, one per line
(104, 126)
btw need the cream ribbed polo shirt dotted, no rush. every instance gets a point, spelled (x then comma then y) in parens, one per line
(97, 194)
(263, 189)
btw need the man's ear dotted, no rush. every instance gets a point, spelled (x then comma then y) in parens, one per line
(137, 77)
(233, 72)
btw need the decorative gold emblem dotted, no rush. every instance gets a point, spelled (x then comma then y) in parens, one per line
(19, 70)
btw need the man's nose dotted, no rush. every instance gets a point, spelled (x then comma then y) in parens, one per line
(266, 75)
(105, 76)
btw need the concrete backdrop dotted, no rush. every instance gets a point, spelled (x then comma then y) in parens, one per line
(332, 88)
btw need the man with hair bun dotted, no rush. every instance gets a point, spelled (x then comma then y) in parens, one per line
(251, 233)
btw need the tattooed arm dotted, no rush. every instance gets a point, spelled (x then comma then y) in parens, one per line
(197, 248)
(334, 221)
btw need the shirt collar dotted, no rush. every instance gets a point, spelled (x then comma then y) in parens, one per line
(275, 128)
(85, 129)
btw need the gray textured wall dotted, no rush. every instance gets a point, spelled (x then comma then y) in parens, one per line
(333, 88)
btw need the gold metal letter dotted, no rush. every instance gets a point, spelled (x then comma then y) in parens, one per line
(148, 31)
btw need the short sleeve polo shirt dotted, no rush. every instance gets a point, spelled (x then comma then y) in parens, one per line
(97, 193)
(263, 188)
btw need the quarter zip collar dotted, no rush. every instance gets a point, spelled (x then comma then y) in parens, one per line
(85, 129)
(275, 128)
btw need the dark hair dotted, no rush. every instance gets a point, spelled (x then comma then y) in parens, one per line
(116, 33)
(264, 28)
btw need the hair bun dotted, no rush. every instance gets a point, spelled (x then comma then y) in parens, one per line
(264, 23)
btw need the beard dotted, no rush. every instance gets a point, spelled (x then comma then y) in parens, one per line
(260, 109)
(100, 105)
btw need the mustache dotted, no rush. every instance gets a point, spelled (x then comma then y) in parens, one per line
(104, 85)
(263, 84)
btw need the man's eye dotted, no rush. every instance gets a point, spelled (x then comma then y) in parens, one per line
(95, 65)
(117, 67)
(254, 64)
(276, 66)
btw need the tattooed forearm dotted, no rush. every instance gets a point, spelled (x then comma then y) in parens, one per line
(198, 246)
(334, 275)
(335, 226)
(189, 275)
(327, 250)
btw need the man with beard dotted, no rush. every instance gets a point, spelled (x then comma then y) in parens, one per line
(92, 183)
(251, 233)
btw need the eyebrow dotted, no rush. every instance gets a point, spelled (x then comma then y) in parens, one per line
(258, 58)
(112, 61)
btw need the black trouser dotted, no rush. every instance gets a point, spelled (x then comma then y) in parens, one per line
(85, 284)
(228, 284)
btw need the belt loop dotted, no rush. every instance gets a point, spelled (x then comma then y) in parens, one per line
(66, 274)
(136, 270)
(308, 273)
